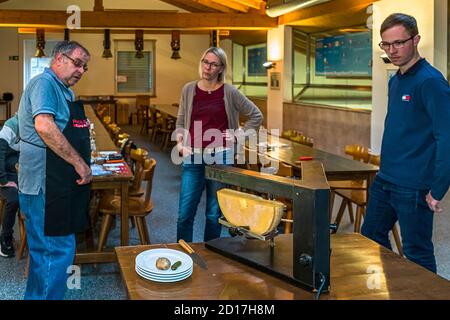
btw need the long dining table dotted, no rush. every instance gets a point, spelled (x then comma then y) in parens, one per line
(168, 109)
(336, 167)
(114, 181)
(359, 269)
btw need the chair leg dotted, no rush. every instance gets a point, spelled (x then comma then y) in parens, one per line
(145, 228)
(340, 213)
(141, 230)
(23, 246)
(398, 241)
(133, 222)
(358, 218)
(23, 237)
(106, 225)
(331, 203)
(27, 267)
(350, 212)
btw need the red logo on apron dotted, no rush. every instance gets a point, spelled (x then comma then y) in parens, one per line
(80, 123)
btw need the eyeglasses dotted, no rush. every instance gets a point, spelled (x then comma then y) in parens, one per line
(77, 62)
(396, 44)
(213, 65)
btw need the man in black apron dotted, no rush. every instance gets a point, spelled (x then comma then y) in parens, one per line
(54, 172)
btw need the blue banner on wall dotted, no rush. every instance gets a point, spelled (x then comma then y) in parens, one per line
(348, 55)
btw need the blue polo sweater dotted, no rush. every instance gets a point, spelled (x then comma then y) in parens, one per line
(415, 151)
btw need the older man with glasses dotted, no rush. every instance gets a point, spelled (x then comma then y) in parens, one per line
(54, 174)
(415, 172)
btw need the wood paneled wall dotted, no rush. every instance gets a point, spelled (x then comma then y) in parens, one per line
(331, 128)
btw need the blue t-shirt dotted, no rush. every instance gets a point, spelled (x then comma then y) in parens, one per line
(45, 93)
(416, 139)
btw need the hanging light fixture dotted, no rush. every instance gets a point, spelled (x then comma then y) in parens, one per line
(139, 43)
(107, 45)
(40, 43)
(175, 45)
(214, 38)
(66, 34)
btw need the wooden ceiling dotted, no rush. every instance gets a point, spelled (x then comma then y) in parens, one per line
(246, 19)
(220, 6)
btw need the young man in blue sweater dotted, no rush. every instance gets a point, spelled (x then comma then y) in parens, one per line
(415, 172)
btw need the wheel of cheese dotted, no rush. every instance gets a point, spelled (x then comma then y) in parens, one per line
(241, 209)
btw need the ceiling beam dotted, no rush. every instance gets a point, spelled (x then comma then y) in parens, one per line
(255, 4)
(117, 19)
(98, 6)
(200, 5)
(189, 6)
(233, 5)
(326, 10)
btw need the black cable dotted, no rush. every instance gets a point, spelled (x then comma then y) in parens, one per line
(319, 291)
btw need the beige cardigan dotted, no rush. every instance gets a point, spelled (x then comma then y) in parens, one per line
(235, 103)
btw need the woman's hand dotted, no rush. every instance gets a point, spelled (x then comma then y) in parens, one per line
(184, 151)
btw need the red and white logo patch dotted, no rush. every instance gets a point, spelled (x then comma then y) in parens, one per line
(406, 98)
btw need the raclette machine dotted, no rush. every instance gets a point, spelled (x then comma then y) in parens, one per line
(303, 257)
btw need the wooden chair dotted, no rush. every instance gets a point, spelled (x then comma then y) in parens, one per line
(358, 153)
(156, 123)
(138, 157)
(106, 120)
(138, 207)
(167, 127)
(142, 111)
(302, 139)
(359, 198)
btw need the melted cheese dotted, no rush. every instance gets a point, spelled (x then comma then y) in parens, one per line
(241, 209)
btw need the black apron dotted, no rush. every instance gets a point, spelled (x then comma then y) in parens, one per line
(66, 202)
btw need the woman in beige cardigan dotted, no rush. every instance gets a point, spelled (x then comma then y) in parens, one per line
(209, 108)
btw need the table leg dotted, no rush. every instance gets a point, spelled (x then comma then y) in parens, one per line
(124, 214)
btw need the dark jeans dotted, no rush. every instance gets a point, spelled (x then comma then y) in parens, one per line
(387, 204)
(10, 194)
(193, 183)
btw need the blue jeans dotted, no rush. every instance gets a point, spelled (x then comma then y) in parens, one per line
(387, 204)
(49, 256)
(192, 184)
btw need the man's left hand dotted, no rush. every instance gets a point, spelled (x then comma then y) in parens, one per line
(433, 204)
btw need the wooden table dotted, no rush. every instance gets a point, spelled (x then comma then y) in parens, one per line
(94, 102)
(360, 269)
(115, 181)
(168, 109)
(336, 167)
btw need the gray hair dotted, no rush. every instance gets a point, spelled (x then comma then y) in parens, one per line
(219, 53)
(67, 47)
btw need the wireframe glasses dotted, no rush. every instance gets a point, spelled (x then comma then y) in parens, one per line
(77, 62)
(213, 65)
(396, 44)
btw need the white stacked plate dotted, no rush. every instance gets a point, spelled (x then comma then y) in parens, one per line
(146, 265)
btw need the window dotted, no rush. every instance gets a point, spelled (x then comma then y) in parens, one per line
(333, 68)
(32, 65)
(135, 75)
(248, 71)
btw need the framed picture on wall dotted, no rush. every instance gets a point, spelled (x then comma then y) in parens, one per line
(275, 80)
(256, 55)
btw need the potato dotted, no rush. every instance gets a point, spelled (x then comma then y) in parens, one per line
(163, 263)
